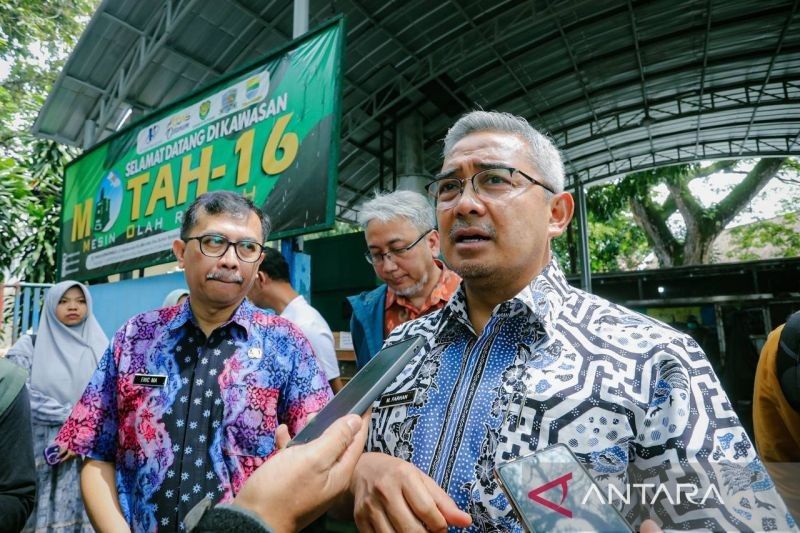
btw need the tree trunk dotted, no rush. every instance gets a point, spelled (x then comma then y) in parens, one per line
(703, 225)
(651, 225)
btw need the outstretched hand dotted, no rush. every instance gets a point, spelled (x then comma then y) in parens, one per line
(299, 483)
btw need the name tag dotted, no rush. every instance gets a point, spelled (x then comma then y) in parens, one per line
(149, 380)
(398, 398)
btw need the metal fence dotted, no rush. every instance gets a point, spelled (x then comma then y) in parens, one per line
(22, 306)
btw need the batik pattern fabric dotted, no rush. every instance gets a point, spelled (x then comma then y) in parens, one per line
(212, 421)
(59, 506)
(636, 401)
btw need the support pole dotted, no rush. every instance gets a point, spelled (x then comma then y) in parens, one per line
(292, 248)
(300, 25)
(89, 134)
(410, 154)
(586, 265)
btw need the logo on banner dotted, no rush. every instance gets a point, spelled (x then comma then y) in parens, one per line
(228, 101)
(205, 107)
(536, 494)
(152, 131)
(177, 124)
(251, 87)
(107, 202)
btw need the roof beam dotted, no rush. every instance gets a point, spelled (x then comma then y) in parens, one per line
(646, 121)
(714, 106)
(577, 72)
(703, 71)
(725, 127)
(771, 66)
(149, 41)
(707, 152)
(490, 45)
(85, 84)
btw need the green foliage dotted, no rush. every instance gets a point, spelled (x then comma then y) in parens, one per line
(14, 199)
(35, 39)
(615, 241)
(780, 235)
(633, 216)
(618, 244)
(36, 249)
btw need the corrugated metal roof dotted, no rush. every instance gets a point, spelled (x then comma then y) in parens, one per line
(620, 85)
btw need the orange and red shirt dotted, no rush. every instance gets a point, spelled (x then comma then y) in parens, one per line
(399, 309)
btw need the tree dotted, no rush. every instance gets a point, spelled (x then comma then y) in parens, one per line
(616, 242)
(36, 250)
(778, 234)
(35, 39)
(689, 242)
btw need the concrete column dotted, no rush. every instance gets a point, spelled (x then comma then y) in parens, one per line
(411, 175)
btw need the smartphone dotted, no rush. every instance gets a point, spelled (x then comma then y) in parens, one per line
(363, 388)
(550, 490)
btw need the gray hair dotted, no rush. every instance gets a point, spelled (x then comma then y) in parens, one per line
(222, 203)
(544, 156)
(410, 205)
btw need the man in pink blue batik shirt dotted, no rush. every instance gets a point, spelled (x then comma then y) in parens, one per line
(185, 402)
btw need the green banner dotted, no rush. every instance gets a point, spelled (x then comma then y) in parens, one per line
(269, 132)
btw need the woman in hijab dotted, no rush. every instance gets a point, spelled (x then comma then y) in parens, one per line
(175, 297)
(60, 359)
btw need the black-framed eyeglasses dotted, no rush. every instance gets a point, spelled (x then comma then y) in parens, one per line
(213, 245)
(489, 184)
(376, 258)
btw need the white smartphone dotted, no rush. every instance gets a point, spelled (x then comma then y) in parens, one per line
(550, 490)
(363, 388)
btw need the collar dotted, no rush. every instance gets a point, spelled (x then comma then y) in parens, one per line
(243, 316)
(297, 300)
(542, 299)
(438, 293)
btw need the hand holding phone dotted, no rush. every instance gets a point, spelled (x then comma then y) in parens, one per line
(364, 388)
(550, 490)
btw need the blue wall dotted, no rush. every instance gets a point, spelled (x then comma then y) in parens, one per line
(114, 303)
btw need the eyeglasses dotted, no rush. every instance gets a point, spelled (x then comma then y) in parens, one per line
(490, 184)
(213, 245)
(375, 258)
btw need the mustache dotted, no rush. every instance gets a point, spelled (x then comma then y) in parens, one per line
(461, 224)
(225, 276)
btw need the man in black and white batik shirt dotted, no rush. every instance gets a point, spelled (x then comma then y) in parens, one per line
(519, 360)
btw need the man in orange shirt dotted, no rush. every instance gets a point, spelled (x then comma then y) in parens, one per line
(403, 244)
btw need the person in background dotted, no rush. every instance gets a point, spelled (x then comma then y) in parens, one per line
(403, 243)
(185, 403)
(178, 296)
(776, 409)
(17, 468)
(60, 358)
(272, 289)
